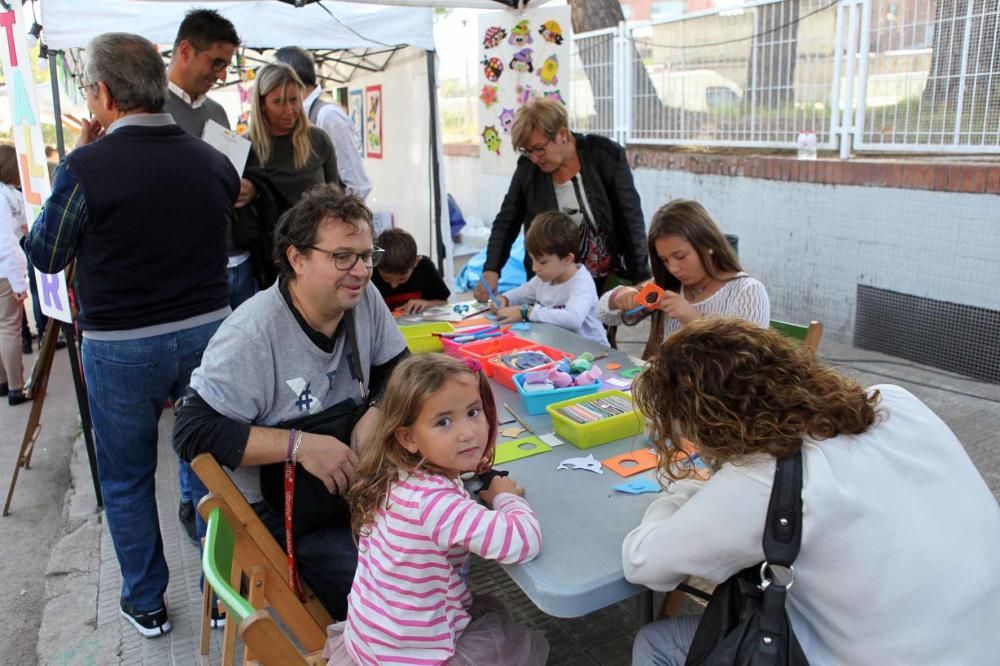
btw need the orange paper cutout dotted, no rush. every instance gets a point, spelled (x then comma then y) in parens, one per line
(650, 296)
(643, 460)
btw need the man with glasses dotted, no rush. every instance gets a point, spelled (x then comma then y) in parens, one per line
(203, 51)
(141, 206)
(311, 353)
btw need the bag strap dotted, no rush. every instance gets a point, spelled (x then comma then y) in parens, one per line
(357, 372)
(783, 528)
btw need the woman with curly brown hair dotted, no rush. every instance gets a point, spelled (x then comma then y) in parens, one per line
(900, 534)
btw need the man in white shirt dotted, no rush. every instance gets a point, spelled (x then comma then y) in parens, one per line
(329, 117)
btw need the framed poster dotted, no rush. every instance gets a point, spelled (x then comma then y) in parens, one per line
(356, 112)
(373, 122)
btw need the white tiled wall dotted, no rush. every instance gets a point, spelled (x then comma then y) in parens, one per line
(812, 245)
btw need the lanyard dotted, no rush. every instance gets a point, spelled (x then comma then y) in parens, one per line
(358, 374)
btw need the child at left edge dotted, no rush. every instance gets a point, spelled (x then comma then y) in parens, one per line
(407, 281)
(561, 292)
(416, 524)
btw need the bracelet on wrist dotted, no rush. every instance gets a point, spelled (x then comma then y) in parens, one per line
(524, 311)
(291, 445)
(295, 449)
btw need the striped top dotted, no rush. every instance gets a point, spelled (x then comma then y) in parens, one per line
(743, 296)
(410, 600)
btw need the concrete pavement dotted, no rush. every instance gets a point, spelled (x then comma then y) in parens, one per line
(81, 581)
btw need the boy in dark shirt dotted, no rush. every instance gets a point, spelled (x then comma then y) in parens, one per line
(405, 279)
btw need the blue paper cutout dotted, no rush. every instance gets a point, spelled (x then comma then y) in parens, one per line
(638, 487)
(521, 326)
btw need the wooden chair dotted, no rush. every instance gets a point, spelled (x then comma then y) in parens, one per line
(264, 639)
(809, 334)
(256, 550)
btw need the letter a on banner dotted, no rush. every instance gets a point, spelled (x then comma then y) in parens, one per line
(30, 146)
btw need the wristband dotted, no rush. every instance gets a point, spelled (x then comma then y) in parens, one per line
(291, 444)
(295, 449)
(524, 312)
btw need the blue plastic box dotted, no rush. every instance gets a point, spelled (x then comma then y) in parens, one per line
(536, 401)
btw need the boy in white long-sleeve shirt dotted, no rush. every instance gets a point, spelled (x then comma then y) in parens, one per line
(560, 293)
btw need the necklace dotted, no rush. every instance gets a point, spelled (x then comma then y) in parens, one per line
(695, 292)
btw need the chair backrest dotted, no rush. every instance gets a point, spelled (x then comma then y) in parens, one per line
(307, 619)
(809, 334)
(217, 565)
(264, 638)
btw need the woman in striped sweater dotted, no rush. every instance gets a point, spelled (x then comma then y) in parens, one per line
(416, 525)
(698, 268)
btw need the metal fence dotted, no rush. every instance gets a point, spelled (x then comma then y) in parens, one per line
(877, 75)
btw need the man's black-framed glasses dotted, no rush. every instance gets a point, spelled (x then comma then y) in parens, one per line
(345, 261)
(85, 88)
(218, 64)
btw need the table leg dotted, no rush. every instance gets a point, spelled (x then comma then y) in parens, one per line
(644, 609)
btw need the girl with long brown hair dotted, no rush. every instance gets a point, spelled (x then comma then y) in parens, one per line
(699, 270)
(892, 507)
(416, 526)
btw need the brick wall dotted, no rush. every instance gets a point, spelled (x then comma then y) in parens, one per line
(814, 230)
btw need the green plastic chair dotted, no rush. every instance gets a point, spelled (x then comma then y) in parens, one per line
(217, 564)
(268, 643)
(809, 335)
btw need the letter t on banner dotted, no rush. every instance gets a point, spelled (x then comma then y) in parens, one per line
(30, 147)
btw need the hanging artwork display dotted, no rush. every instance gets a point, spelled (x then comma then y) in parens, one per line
(373, 122)
(356, 112)
(521, 56)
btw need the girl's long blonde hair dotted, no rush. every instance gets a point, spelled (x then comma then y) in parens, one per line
(269, 77)
(385, 460)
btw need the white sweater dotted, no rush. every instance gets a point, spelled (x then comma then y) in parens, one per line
(900, 558)
(13, 265)
(571, 305)
(743, 296)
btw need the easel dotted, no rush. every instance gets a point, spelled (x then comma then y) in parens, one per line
(39, 381)
(38, 388)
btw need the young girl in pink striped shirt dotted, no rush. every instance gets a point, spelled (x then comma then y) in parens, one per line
(416, 525)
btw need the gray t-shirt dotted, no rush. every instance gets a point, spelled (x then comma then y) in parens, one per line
(261, 368)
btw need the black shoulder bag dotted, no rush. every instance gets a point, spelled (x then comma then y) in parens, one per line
(313, 505)
(745, 623)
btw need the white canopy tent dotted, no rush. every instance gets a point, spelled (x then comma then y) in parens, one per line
(409, 179)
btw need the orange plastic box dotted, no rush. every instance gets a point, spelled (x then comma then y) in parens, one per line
(505, 375)
(483, 350)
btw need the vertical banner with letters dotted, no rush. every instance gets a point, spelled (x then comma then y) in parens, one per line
(27, 129)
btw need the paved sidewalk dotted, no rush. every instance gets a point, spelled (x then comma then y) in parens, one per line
(604, 637)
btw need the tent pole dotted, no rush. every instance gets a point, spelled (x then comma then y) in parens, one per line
(56, 104)
(435, 161)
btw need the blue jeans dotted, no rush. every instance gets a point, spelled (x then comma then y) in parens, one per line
(665, 643)
(241, 284)
(128, 383)
(326, 559)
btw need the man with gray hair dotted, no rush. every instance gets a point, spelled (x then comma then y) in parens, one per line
(141, 205)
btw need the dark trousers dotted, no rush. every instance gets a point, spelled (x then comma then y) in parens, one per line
(326, 559)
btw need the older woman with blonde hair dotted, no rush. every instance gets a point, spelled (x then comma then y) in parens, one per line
(900, 536)
(586, 176)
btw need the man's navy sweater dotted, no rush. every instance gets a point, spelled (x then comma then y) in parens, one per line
(154, 247)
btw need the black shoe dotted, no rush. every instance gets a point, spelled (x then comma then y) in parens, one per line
(16, 397)
(60, 342)
(218, 618)
(4, 389)
(151, 624)
(26, 346)
(186, 514)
